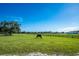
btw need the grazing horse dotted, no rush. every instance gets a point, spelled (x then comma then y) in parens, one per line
(39, 36)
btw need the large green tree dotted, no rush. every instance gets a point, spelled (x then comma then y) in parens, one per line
(9, 27)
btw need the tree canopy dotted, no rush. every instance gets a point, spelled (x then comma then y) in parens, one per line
(9, 27)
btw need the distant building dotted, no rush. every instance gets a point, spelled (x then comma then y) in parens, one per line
(73, 32)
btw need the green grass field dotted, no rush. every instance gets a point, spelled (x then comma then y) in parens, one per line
(19, 44)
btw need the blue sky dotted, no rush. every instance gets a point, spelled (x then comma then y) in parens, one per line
(42, 16)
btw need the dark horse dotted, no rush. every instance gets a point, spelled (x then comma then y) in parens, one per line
(39, 36)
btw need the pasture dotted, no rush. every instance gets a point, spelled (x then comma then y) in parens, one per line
(22, 44)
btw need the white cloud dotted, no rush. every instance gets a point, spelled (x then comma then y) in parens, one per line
(12, 18)
(18, 19)
(67, 29)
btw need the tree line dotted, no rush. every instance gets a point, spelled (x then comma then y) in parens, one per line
(9, 27)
